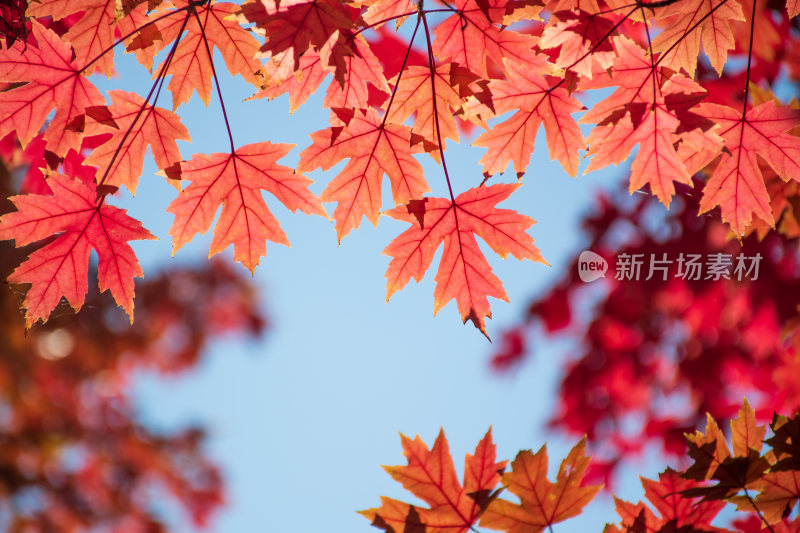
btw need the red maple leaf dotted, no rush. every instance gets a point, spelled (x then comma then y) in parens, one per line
(90, 35)
(133, 125)
(651, 108)
(737, 183)
(210, 26)
(51, 80)
(235, 181)
(60, 267)
(583, 39)
(374, 148)
(463, 274)
(299, 85)
(687, 23)
(464, 65)
(469, 38)
(414, 95)
(529, 94)
(291, 27)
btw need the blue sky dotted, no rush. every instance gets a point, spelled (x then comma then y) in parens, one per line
(301, 421)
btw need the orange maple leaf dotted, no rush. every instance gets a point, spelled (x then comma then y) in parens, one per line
(778, 494)
(209, 26)
(736, 470)
(542, 503)
(145, 37)
(469, 38)
(778, 489)
(291, 27)
(535, 102)
(463, 274)
(685, 23)
(431, 476)
(362, 70)
(374, 148)
(382, 10)
(235, 181)
(652, 108)
(737, 183)
(133, 126)
(415, 95)
(60, 268)
(583, 38)
(299, 85)
(91, 35)
(51, 80)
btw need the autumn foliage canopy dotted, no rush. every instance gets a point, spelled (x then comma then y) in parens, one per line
(404, 78)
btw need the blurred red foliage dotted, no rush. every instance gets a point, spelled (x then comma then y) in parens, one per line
(655, 356)
(74, 456)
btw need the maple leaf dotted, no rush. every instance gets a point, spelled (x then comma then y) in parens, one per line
(235, 181)
(51, 80)
(463, 274)
(779, 489)
(210, 25)
(676, 511)
(291, 27)
(374, 148)
(535, 102)
(362, 71)
(60, 267)
(144, 35)
(91, 35)
(431, 476)
(649, 108)
(299, 85)
(382, 10)
(583, 38)
(414, 94)
(793, 8)
(737, 183)
(714, 460)
(785, 442)
(469, 38)
(686, 23)
(133, 126)
(778, 493)
(542, 502)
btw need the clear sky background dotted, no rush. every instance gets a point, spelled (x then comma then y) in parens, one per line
(301, 421)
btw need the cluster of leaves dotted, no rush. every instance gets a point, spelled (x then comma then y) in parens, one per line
(656, 355)
(74, 456)
(763, 485)
(392, 97)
